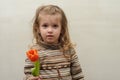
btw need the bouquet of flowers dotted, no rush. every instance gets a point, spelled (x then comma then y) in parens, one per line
(34, 57)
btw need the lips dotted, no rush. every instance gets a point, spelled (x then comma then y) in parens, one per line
(50, 36)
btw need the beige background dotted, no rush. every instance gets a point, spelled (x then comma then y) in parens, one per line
(94, 27)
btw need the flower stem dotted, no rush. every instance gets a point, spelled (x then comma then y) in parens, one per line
(36, 69)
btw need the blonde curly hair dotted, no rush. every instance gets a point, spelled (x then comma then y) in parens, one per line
(64, 38)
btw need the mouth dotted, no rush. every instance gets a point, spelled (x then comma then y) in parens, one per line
(50, 36)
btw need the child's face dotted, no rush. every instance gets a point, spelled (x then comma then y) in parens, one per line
(50, 28)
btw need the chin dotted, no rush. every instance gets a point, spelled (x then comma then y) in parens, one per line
(50, 42)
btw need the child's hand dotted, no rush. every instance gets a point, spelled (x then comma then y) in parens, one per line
(35, 78)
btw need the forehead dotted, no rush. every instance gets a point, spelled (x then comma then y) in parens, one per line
(50, 17)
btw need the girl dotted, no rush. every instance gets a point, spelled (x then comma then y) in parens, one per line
(58, 59)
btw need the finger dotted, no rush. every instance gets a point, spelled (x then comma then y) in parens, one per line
(34, 78)
(40, 78)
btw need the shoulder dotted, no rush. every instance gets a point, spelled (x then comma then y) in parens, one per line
(71, 51)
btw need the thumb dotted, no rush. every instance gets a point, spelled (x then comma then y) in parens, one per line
(39, 78)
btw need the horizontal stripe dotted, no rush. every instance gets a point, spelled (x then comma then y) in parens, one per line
(55, 66)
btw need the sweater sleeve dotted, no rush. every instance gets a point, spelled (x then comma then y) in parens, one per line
(27, 69)
(76, 70)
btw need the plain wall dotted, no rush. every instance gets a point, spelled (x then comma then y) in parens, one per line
(94, 27)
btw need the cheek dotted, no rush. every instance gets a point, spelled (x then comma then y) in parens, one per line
(58, 33)
(41, 32)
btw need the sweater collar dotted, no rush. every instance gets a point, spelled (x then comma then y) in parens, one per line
(50, 46)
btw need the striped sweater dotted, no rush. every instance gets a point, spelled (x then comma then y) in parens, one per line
(55, 65)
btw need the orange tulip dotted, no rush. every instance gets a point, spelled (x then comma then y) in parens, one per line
(32, 55)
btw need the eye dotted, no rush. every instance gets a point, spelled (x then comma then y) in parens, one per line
(55, 25)
(44, 25)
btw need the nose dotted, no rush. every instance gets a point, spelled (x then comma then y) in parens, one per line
(50, 29)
